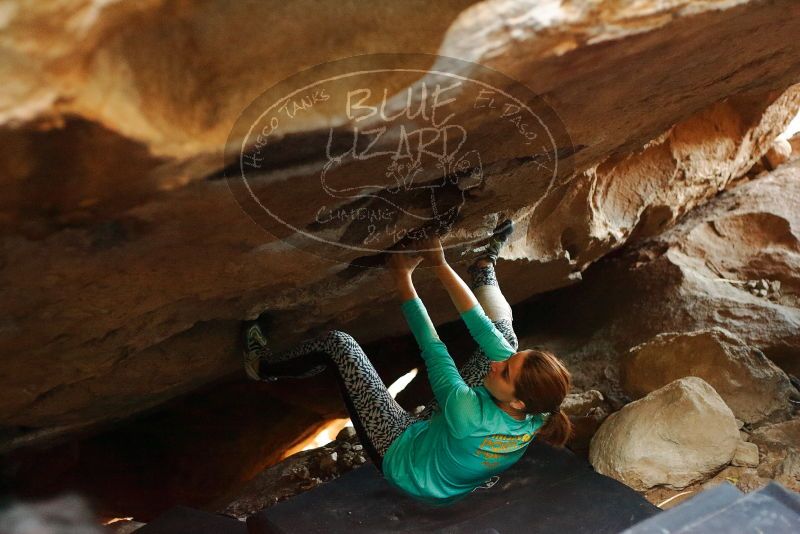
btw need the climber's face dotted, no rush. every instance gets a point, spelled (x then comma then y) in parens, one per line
(502, 376)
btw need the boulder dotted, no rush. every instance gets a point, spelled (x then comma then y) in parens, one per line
(749, 383)
(674, 436)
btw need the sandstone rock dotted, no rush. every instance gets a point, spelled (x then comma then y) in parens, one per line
(777, 437)
(746, 479)
(750, 384)
(691, 277)
(794, 141)
(579, 404)
(779, 153)
(141, 265)
(676, 435)
(746, 455)
(780, 445)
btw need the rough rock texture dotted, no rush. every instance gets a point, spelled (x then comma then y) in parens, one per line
(124, 272)
(298, 473)
(676, 435)
(744, 478)
(779, 153)
(746, 455)
(751, 385)
(586, 412)
(692, 277)
(780, 445)
(582, 403)
(794, 141)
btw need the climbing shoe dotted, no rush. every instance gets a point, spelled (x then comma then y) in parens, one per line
(491, 250)
(255, 350)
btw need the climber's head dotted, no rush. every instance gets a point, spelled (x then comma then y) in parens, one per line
(534, 381)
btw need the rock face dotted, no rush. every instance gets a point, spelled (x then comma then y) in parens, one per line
(694, 276)
(676, 435)
(126, 268)
(751, 385)
(780, 445)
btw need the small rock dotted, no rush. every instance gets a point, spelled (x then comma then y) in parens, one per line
(348, 433)
(297, 472)
(746, 455)
(779, 152)
(358, 447)
(579, 404)
(744, 478)
(327, 464)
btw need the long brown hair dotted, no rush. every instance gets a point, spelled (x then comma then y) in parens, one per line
(542, 384)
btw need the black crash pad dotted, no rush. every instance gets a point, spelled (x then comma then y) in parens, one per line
(548, 490)
(183, 520)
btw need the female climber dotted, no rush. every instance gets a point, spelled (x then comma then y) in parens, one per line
(483, 416)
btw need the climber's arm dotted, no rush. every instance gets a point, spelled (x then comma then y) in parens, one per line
(462, 296)
(481, 328)
(401, 266)
(442, 371)
(459, 292)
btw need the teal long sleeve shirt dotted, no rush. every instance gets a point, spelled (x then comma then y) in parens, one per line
(470, 438)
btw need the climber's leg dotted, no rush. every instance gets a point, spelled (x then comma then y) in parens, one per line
(377, 417)
(487, 290)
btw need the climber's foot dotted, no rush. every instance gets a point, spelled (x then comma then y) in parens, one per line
(255, 350)
(492, 248)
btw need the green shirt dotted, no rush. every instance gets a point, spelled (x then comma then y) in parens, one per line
(470, 438)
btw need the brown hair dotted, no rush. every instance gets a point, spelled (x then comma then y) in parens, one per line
(542, 384)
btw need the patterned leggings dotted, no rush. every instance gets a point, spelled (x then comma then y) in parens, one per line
(378, 419)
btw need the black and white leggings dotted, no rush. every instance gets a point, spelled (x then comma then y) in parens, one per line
(377, 418)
